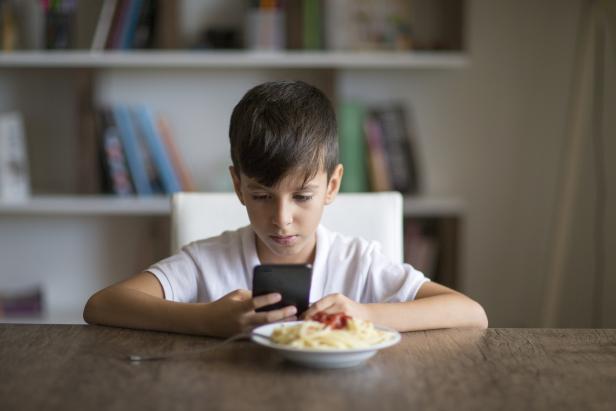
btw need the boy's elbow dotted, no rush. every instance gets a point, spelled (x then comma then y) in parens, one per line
(480, 316)
(91, 308)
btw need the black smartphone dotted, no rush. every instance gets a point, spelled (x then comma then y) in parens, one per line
(292, 281)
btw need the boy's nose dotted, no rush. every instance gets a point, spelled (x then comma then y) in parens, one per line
(283, 215)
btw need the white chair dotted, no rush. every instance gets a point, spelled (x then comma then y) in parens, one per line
(373, 216)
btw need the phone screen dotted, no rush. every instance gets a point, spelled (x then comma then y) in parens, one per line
(292, 281)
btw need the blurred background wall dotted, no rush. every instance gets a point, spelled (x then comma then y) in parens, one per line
(493, 134)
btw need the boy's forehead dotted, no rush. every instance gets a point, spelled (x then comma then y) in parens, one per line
(294, 181)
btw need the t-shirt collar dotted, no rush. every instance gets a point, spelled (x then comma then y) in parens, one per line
(251, 259)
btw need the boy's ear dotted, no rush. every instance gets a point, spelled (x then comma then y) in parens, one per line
(237, 184)
(333, 186)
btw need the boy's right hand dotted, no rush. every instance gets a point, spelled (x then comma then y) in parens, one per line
(235, 312)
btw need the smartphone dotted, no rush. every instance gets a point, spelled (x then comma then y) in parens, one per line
(292, 281)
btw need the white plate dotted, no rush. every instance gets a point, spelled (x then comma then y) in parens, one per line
(333, 358)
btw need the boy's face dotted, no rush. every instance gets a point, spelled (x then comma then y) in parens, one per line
(285, 217)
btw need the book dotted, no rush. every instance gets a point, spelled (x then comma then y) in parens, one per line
(116, 174)
(14, 170)
(312, 25)
(117, 24)
(399, 145)
(160, 157)
(132, 149)
(9, 36)
(166, 24)
(60, 25)
(294, 24)
(103, 25)
(378, 163)
(144, 32)
(130, 24)
(178, 164)
(31, 17)
(352, 147)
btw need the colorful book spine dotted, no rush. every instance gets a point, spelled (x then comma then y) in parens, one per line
(117, 173)
(103, 26)
(312, 25)
(400, 150)
(179, 165)
(159, 155)
(132, 150)
(352, 147)
(117, 24)
(130, 24)
(378, 163)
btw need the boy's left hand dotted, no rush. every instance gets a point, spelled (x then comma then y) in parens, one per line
(337, 303)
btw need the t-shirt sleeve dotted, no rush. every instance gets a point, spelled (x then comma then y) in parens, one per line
(178, 276)
(389, 281)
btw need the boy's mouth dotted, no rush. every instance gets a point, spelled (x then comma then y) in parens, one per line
(284, 239)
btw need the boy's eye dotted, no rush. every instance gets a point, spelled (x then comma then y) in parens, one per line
(303, 197)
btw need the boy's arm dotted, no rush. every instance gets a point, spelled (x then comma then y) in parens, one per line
(435, 306)
(138, 302)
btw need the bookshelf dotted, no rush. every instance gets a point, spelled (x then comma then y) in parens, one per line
(197, 88)
(83, 205)
(235, 59)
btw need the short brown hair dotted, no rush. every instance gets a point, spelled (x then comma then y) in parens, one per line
(281, 127)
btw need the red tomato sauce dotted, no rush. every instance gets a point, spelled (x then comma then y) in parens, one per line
(335, 321)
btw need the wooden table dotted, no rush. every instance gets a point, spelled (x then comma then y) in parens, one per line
(65, 367)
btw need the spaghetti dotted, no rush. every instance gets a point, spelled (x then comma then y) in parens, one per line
(330, 331)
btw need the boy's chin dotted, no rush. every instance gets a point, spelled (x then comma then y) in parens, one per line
(287, 254)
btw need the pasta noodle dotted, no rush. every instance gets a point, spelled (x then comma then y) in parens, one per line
(318, 335)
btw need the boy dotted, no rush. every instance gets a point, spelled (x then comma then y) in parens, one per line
(285, 169)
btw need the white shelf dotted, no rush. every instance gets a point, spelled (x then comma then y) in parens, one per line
(236, 59)
(88, 205)
(160, 206)
(432, 207)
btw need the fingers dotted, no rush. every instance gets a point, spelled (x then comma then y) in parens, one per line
(324, 304)
(239, 295)
(272, 316)
(265, 300)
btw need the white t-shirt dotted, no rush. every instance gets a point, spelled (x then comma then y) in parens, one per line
(206, 270)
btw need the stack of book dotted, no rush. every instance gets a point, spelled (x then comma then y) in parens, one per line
(21, 303)
(378, 148)
(136, 24)
(95, 25)
(138, 154)
(348, 24)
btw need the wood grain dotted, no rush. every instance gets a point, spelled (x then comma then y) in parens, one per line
(55, 367)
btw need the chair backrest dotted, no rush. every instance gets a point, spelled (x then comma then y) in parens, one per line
(373, 216)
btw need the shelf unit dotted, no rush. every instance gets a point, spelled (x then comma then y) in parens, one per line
(235, 59)
(77, 243)
(160, 206)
